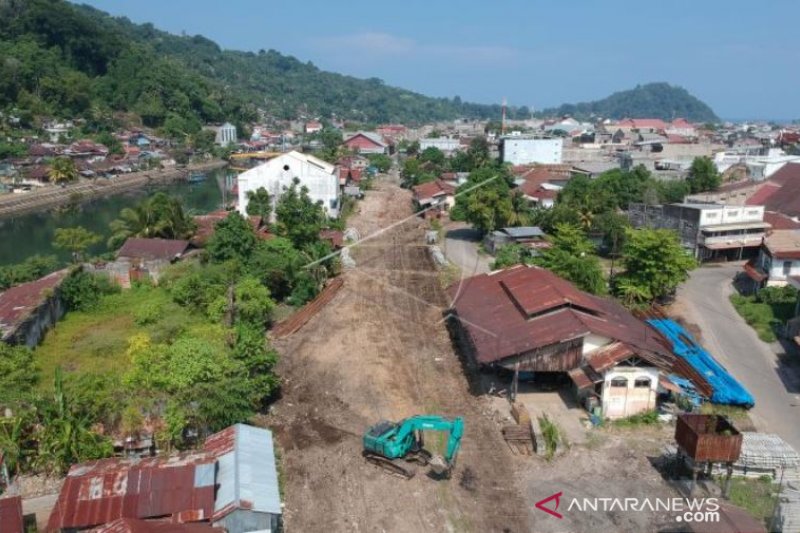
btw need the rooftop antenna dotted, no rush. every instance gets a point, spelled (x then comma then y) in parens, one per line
(503, 123)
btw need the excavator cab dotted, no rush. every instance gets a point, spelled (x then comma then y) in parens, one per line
(387, 443)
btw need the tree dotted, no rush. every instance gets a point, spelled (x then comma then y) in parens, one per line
(233, 238)
(159, 216)
(510, 255)
(703, 175)
(299, 218)
(63, 170)
(432, 155)
(18, 373)
(485, 199)
(259, 203)
(478, 153)
(76, 240)
(277, 263)
(655, 264)
(82, 290)
(571, 257)
(253, 304)
(381, 161)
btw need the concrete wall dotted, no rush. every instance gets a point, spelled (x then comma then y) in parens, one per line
(732, 214)
(592, 342)
(245, 521)
(620, 402)
(31, 331)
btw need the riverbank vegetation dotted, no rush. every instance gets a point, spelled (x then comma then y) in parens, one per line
(177, 360)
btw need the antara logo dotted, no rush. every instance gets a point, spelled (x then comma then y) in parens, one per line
(555, 497)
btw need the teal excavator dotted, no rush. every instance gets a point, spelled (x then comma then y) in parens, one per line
(387, 444)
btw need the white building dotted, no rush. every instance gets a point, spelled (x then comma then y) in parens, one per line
(444, 144)
(277, 174)
(778, 261)
(760, 165)
(526, 150)
(226, 135)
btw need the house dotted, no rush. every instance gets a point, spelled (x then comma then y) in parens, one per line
(226, 135)
(778, 260)
(445, 144)
(641, 125)
(313, 126)
(11, 518)
(709, 231)
(141, 259)
(28, 310)
(520, 150)
(179, 489)
(528, 319)
(781, 193)
(247, 497)
(437, 194)
(682, 128)
(365, 142)
(392, 131)
(231, 484)
(320, 177)
(540, 183)
(530, 236)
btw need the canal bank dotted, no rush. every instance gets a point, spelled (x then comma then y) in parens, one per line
(25, 235)
(49, 198)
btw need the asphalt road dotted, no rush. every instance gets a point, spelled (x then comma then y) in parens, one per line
(770, 374)
(461, 248)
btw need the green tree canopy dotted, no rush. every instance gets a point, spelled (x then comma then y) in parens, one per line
(703, 175)
(77, 240)
(298, 217)
(159, 216)
(233, 238)
(259, 203)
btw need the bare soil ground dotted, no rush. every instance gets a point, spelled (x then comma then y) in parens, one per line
(380, 350)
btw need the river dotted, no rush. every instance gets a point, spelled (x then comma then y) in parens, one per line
(32, 234)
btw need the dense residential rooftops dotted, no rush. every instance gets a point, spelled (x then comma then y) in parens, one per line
(425, 193)
(784, 243)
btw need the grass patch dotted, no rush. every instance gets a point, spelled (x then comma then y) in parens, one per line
(756, 496)
(94, 341)
(763, 317)
(730, 411)
(646, 418)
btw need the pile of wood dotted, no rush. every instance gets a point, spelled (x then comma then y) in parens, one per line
(307, 312)
(519, 436)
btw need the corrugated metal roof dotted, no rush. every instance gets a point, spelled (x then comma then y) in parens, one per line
(524, 232)
(18, 302)
(132, 525)
(247, 477)
(520, 309)
(11, 515)
(150, 249)
(99, 492)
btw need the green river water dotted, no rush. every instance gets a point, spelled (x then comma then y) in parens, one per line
(32, 234)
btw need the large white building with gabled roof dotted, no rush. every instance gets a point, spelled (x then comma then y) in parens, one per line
(277, 174)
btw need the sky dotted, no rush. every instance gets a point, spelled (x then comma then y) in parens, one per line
(740, 57)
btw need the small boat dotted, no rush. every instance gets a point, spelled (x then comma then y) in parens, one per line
(196, 177)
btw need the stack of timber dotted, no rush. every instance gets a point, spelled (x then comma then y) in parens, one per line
(519, 437)
(307, 312)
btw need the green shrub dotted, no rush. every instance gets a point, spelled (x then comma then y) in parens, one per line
(82, 291)
(149, 313)
(646, 418)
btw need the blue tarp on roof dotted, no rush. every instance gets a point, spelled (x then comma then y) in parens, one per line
(727, 390)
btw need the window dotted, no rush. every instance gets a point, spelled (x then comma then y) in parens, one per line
(619, 382)
(787, 268)
(642, 383)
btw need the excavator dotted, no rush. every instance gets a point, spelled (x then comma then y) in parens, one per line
(387, 443)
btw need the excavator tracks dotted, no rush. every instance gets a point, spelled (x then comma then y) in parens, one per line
(390, 466)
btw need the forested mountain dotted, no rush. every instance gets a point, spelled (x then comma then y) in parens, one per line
(62, 59)
(653, 100)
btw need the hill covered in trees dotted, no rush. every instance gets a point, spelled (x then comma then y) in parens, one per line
(653, 100)
(61, 59)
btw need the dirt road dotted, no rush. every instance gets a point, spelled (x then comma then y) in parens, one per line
(380, 350)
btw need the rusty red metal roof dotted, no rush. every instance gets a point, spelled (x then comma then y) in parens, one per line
(780, 221)
(514, 311)
(206, 224)
(11, 515)
(17, 303)
(132, 525)
(99, 492)
(427, 191)
(153, 249)
(610, 355)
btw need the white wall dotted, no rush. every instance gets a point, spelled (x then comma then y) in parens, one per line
(592, 342)
(619, 402)
(277, 174)
(732, 214)
(444, 144)
(525, 151)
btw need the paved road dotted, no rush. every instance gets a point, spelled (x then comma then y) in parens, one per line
(461, 248)
(771, 376)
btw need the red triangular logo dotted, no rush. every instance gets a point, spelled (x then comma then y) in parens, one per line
(541, 505)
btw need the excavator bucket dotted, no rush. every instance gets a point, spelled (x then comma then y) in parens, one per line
(439, 466)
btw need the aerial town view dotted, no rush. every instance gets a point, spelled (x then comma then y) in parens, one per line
(422, 267)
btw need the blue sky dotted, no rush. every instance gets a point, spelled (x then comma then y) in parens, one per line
(740, 57)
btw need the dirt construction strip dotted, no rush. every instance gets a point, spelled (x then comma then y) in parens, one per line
(380, 350)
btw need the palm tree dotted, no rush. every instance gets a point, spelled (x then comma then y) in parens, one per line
(158, 216)
(521, 212)
(63, 170)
